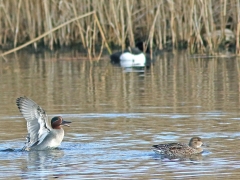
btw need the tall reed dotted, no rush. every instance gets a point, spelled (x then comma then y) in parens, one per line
(200, 26)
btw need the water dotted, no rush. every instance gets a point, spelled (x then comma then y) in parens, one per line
(118, 115)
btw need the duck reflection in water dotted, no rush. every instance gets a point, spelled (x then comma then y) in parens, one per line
(39, 161)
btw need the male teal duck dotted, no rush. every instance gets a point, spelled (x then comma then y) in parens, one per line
(41, 135)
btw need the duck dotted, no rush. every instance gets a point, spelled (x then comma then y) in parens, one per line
(131, 57)
(180, 149)
(41, 134)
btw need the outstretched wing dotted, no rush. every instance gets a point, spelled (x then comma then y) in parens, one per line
(37, 121)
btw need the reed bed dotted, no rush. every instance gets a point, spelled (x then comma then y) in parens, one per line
(207, 26)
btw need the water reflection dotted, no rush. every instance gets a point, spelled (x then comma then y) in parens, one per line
(42, 163)
(139, 70)
(118, 116)
(41, 158)
(194, 157)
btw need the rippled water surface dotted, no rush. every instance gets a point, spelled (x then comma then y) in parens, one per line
(118, 114)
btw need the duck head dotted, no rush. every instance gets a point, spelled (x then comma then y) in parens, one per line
(195, 142)
(58, 121)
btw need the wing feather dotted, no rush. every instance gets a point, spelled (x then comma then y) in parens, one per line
(37, 120)
(170, 148)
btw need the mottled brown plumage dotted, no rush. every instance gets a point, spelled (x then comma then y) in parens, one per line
(180, 149)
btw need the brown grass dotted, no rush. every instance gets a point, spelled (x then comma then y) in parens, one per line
(199, 26)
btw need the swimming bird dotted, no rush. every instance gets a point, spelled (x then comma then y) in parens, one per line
(41, 135)
(180, 149)
(131, 57)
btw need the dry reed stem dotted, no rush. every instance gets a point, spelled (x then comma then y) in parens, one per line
(101, 50)
(116, 23)
(102, 34)
(172, 19)
(94, 34)
(47, 33)
(150, 38)
(238, 29)
(223, 15)
(121, 22)
(163, 27)
(129, 24)
(48, 22)
(123, 36)
(17, 24)
(88, 41)
(79, 25)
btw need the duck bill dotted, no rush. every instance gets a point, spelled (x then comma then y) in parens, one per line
(66, 123)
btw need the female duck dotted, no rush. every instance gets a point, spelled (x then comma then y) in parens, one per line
(180, 149)
(41, 135)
